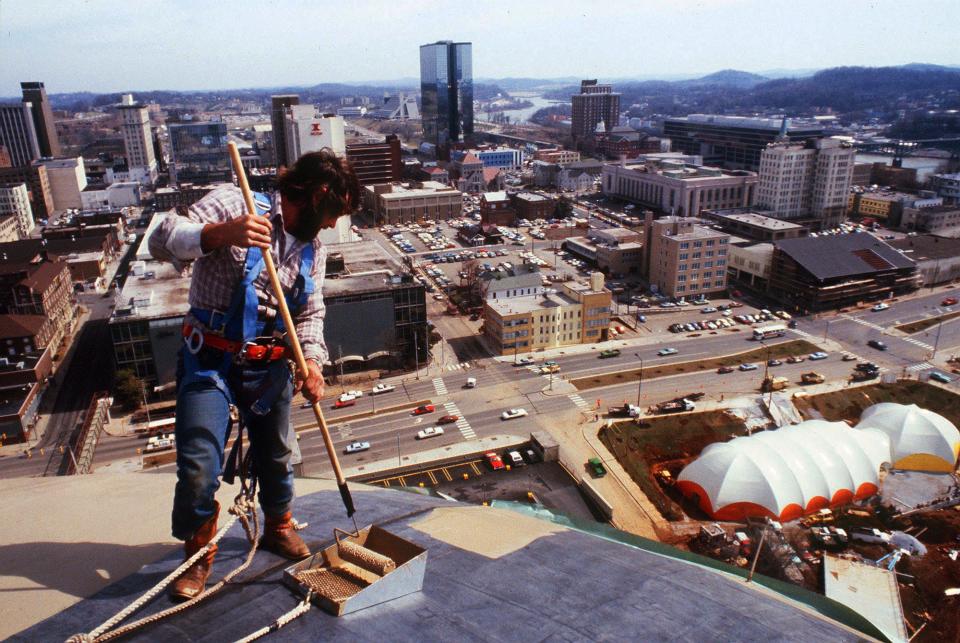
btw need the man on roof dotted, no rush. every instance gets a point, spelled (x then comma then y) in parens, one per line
(235, 351)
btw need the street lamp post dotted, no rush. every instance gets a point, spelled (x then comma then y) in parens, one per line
(416, 352)
(640, 379)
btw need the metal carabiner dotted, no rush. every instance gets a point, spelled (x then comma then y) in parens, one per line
(189, 339)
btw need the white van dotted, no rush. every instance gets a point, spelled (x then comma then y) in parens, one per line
(471, 382)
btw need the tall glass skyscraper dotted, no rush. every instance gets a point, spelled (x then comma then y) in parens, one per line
(198, 152)
(446, 90)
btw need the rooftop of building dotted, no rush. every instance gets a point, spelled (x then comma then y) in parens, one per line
(407, 190)
(530, 303)
(531, 197)
(495, 197)
(40, 278)
(20, 325)
(491, 573)
(678, 169)
(927, 246)
(755, 218)
(692, 228)
(13, 397)
(368, 268)
(843, 255)
(940, 209)
(159, 291)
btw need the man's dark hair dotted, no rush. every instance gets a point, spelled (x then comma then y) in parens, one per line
(316, 170)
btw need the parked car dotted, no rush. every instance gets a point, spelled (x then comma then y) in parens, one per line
(940, 377)
(426, 408)
(493, 461)
(667, 351)
(596, 467)
(511, 414)
(382, 388)
(876, 343)
(357, 447)
(818, 355)
(429, 432)
(515, 459)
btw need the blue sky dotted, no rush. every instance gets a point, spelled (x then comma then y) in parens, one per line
(105, 45)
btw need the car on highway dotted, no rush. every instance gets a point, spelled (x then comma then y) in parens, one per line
(340, 404)
(748, 366)
(876, 343)
(818, 355)
(610, 352)
(425, 408)
(725, 369)
(511, 414)
(667, 351)
(350, 395)
(493, 461)
(940, 377)
(523, 361)
(774, 362)
(357, 447)
(429, 432)
(447, 419)
(950, 301)
(795, 359)
(382, 388)
(879, 307)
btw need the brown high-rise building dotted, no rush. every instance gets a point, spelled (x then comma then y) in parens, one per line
(35, 94)
(38, 183)
(594, 104)
(278, 108)
(5, 157)
(376, 162)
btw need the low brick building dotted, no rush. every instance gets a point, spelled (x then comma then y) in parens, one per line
(530, 205)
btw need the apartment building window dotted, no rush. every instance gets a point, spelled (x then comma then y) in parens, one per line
(696, 255)
(681, 288)
(681, 267)
(721, 262)
(709, 253)
(684, 245)
(681, 277)
(698, 244)
(723, 241)
(708, 264)
(684, 256)
(695, 265)
(718, 283)
(722, 252)
(710, 241)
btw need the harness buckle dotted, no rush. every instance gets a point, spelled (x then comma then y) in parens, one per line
(195, 335)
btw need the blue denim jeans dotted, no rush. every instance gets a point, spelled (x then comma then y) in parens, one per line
(207, 383)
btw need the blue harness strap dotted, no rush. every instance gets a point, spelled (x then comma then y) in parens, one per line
(240, 321)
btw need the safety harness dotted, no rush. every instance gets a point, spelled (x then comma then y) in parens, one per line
(242, 334)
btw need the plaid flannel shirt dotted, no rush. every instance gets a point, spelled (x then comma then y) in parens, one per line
(216, 274)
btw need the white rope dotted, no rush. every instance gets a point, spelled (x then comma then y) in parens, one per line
(242, 508)
(301, 609)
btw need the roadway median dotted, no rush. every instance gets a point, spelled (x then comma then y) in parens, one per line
(774, 351)
(923, 324)
(169, 457)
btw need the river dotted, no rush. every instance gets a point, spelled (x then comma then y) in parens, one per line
(523, 115)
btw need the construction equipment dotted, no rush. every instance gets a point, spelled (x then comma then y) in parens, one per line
(774, 384)
(337, 564)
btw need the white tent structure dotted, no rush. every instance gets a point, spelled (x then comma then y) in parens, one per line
(920, 440)
(786, 473)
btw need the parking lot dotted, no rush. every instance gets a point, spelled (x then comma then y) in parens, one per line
(475, 482)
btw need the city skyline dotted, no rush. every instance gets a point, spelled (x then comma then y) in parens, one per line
(83, 49)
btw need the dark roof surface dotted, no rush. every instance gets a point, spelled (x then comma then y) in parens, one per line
(20, 325)
(843, 255)
(42, 276)
(928, 246)
(554, 583)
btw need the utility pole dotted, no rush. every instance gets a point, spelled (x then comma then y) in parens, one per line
(340, 351)
(640, 380)
(936, 344)
(416, 352)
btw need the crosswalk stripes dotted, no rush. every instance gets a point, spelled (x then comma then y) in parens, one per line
(579, 402)
(922, 366)
(457, 367)
(439, 386)
(863, 322)
(465, 429)
(917, 342)
(802, 333)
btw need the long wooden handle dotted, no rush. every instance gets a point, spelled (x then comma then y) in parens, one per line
(287, 319)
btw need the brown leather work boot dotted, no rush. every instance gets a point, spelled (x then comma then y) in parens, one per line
(282, 539)
(193, 581)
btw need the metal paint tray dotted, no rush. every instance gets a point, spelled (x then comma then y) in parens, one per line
(341, 587)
